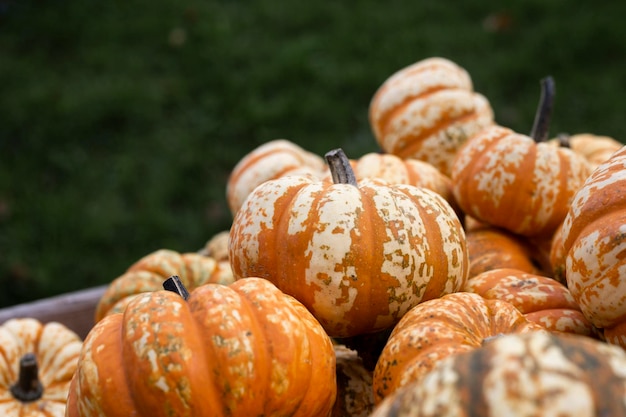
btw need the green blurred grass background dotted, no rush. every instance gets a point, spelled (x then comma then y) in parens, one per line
(120, 121)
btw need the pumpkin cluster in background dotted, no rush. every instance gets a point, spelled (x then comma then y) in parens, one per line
(404, 282)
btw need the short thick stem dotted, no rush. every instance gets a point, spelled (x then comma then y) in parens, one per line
(340, 168)
(543, 115)
(28, 387)
(174, 284)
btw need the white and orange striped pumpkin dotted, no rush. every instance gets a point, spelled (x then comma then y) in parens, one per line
(37, 361)
(541, 299)
(518, 375)
(270, 160)
(593, 244)
(357, 255)
(509, 180)
(595, 148)
(427, 110)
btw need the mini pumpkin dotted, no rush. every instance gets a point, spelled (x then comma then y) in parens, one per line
(595, 148)
(541, 299)
(37, 361)
(518, 375)
(438, 328)
(270, 160)
(427, 110)
(593, 247)
(149, 272)
(517, 182)
(357, 255)
(245, 349)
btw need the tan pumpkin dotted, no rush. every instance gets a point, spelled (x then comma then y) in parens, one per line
(355, 397)
(519, 375)
(427, 110)
(593, 245)
(270, 160)
(595, 148)
(517, 182)
(245, 349)
(541, 299)
(37, 361)
(217, 246)
(357, 255)
(438, 328)
(149, 272)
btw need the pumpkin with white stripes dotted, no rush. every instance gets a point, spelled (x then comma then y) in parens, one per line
(593, 246)
(427, 110)
(357, 255)
(519, 375)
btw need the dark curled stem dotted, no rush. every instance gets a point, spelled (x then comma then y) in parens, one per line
(28, 387)
(340, 168)
(543, 115)
(174, 284)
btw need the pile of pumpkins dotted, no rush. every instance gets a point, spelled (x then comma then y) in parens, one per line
(465, 269)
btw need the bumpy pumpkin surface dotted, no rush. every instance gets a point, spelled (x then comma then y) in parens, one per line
(149, 272)
(269, 161)
(508, 180)
(593, 245)
(357, 256)
(55, 350)
(541, 299)
(427, 111)
(246, 349)
(520, 375)
(438, 328)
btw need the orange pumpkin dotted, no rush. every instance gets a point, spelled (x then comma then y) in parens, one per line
(427, 110)
(542, 300)
(531, 374)
(357, 255)
(148, 273)
(593, 245)
(518, 182)
(245, 349)
(438, 328)
(37, 362)
(595, 148)
(271, 160)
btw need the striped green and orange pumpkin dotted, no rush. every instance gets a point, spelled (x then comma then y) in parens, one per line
(357, 255)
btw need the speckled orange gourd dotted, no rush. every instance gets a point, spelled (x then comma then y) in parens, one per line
(246, 350)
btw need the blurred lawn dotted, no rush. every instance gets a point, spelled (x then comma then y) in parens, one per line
(120, 121)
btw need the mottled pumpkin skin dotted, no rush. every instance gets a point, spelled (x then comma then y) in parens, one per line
(595, 148)
(149, 272)
(541, 299)
(427, 111)
(438, 328)
(357, 257)
(269, 161)
(506, 179)
(593, 243)
(246, 349)
(519, 375)
(56, 348)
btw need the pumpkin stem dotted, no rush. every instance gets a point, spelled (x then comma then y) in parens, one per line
(340, 167)
(174, 284)
(543, 115)
(563, 139)
(28, 387)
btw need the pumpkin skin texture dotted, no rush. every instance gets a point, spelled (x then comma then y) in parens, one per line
(595, 148)
(355, 397)
(593, 244)
(216, 247)
(245, 349)
(541, 299)
(358, 257)
(149, 272)
(269, 161)
(56, 349)
(530, 374)
(508, 180)
(427, 110)
(438, 328)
